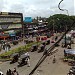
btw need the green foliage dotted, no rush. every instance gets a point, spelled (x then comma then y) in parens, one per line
(18, 50)
(60, 21)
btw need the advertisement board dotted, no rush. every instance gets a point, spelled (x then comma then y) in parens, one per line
(28, 19)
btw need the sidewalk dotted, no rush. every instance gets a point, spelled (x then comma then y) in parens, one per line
(14, 46)
(22, 44)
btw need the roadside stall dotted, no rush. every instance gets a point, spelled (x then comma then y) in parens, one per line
(69, 52)
(69, 55)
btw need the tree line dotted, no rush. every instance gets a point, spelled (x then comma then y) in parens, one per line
(60, 22)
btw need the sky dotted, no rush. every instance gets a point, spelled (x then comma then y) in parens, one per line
(34, 8)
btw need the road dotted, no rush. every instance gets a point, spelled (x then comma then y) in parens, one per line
(46, 68)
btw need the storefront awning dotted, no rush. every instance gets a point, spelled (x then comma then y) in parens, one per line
(70, 51)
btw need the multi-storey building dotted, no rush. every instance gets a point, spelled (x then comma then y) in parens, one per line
(10, 21)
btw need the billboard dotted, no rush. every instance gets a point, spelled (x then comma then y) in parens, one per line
(27, 19)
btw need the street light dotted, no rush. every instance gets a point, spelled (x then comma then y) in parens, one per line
(67, 14)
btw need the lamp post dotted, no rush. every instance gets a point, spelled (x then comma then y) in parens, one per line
(67, 14)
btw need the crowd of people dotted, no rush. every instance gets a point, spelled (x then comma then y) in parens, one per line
(12, 72)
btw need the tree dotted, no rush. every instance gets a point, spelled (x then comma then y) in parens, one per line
(60, 22)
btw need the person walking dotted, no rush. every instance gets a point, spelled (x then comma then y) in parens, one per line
(10, 72)
(28, 61)
(7, 73)
(38, 73)
(68, 47)
(54, 59)
(15, 72)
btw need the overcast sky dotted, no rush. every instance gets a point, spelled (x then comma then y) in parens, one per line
(34, 8)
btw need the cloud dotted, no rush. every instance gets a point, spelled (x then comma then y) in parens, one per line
(1, 5)
(17, 8)
(35, 8)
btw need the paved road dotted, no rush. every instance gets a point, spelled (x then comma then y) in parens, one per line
(46, 68)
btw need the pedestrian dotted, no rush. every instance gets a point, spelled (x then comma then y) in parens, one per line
(8, 46)
(38, 73)
(28, 61)
(68, 47)
(56, 38)
(14, 69)
(15, 72)
(10, 72)
(54, 59)
(27, 54)
(7, 73)
(28, 58)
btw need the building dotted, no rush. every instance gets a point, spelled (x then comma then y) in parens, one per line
(36, 26)
(10, 21)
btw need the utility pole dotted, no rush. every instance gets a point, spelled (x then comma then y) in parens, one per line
(22, 27)
(67, 14)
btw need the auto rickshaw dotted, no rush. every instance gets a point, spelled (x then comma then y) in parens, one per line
(72, 71)
(14, 58)
(23, 60)
(41, 48)
(34, 48)
(28, 41)
(47, 42)
(44, 43)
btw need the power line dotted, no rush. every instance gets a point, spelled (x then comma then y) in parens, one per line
(61, 8)
(49, 51)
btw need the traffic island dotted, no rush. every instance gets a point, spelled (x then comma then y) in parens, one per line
(6, 55)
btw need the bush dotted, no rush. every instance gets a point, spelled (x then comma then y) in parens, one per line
(20, 50)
